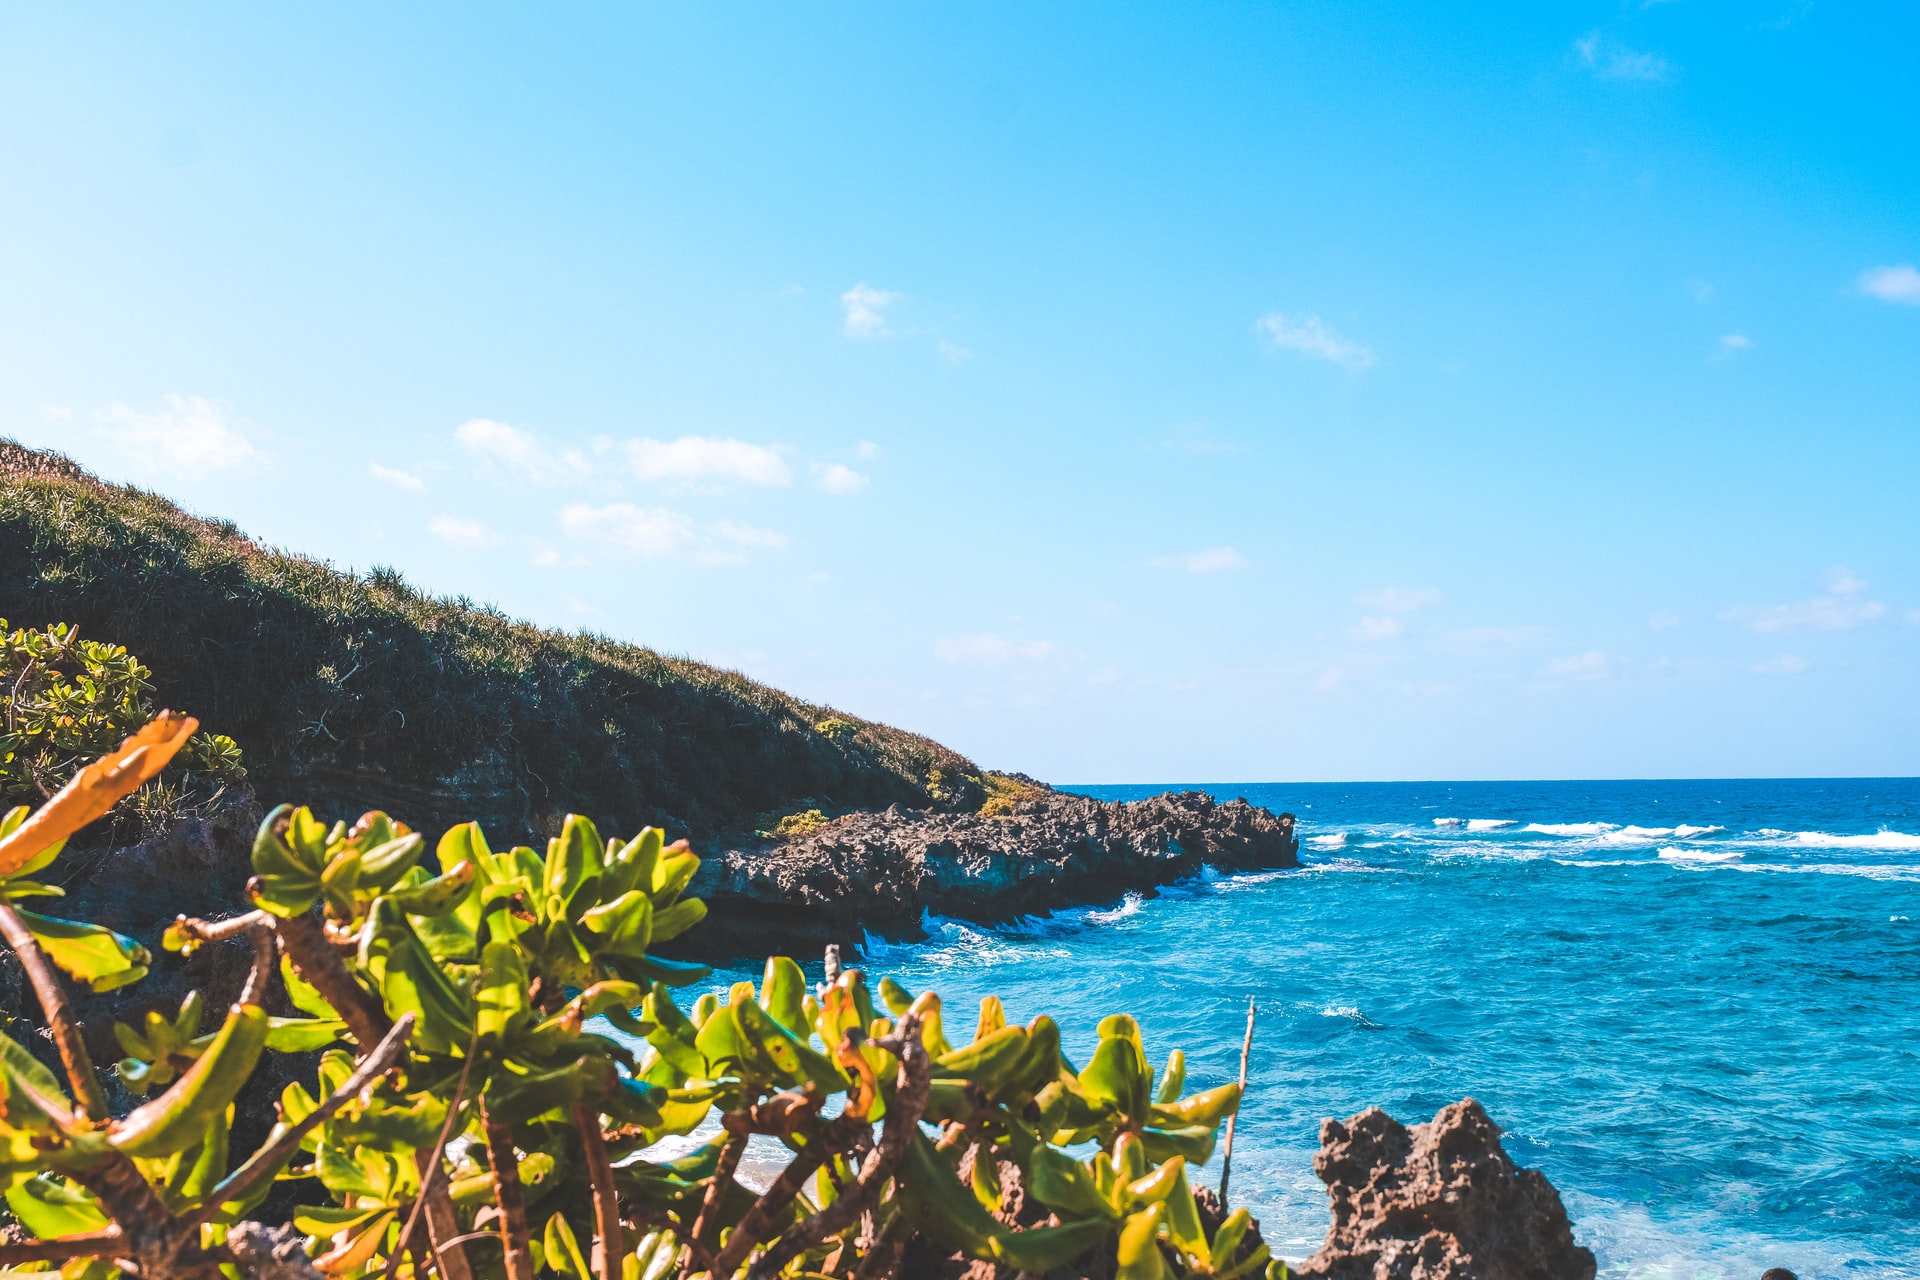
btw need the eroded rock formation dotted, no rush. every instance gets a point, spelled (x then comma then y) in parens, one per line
(1439, 1201)
(880, 871)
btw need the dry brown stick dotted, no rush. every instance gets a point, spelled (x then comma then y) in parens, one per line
(838, 1133)
(883, 1258)
(908, 1104)
(53, 999)
(209, 931)
(95, 1244)
(609, 1249)
(708, 1221)
(510, 1195)
(265, 1163)
(1226, 1160)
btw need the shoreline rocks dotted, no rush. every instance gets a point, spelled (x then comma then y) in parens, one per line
(881, 872)
(1439, 1201)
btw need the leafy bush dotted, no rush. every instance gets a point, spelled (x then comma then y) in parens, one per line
(1003, 793)
(470, 1119)
(834, 729)
(68, 700)
(771, 826)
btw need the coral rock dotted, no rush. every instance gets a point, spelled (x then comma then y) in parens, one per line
(1441, 1201)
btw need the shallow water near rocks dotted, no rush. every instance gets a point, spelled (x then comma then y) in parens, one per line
(1694, 1005)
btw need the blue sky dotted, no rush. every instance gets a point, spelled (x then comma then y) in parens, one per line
(1149, 393)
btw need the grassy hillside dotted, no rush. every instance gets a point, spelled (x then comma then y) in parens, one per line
(351, 691)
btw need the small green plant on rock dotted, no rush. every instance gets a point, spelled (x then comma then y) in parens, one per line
(472, 1118)
(836, 730)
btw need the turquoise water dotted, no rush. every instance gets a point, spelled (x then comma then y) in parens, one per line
(1695, 1005)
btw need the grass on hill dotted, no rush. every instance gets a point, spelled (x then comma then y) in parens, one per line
(348, 691)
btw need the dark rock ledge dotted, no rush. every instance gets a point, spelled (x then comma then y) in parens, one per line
(878, 872)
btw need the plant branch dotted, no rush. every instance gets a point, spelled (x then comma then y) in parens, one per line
(512, 1197)
(708, 1222)
(304, 940)
(904, 1109)
(95, 1244)
(266, 1162)
(609, 1248)
(53, 999)
(430, 1167)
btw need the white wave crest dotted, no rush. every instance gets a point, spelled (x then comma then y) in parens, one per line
(1129, 906)
(1333, 840)
(1671, 854)
(1449, 822)
(1488, 824)
(1685, 832)
(1627, 835)
(1882, 839)
(1570, 828)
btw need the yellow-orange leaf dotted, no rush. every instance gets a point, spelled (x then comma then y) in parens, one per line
(97, 788)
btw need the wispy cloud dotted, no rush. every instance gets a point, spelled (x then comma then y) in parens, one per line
(1736, 342)
(520, 453)
(191, 435)
(991, 650)
(1701, 291)
(708, 459)
(1200, 437)
(1376, 628)
(1212, 560)
(397, 478)
(1785, 664)
(462, 532)
(1311, 336)
(1329, 680)
(865, 311)
(1398, 599)
(1608, 59)
(1843, 607)
(1892, 284)
(866, 449)
(745, 535)
(647, 532)
(1594, 664)
(1663, 619)
(836, 478)
(952, 352)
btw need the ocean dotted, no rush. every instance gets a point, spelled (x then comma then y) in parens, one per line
(1695, 1005)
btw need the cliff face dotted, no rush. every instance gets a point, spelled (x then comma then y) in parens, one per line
(1440, 1201)
(879, 872)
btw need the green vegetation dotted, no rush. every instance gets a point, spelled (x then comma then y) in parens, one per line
(354, 689)
(773, 826)
(67, 700)
(1003, 793)
(468, 1120)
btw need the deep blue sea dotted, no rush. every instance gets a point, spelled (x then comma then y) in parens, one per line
(1694, 1005)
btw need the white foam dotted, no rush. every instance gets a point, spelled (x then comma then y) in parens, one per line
(1336, 840)
(1882, 839)
(1626, 835)
(1488, 824)
(1449, 822)
(1672, 854)
(1129, 906)
(1685, 832)
(1570, 828)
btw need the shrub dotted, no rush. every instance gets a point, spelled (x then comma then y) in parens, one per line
(836, 730)
(469, 1119)
(1003, 793)
(68, 700)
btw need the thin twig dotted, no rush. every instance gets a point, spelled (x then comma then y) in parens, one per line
(430, 1170)
(708, 1221)
(95, 1244)
(209, 931)
(266, 1162)
(53, 999)
(1226, 1160)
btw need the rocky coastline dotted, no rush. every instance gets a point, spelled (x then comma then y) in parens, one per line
(882, 872)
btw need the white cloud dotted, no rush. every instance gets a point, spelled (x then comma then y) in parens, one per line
(866, 449)
(636, 531)
(1611, 60)
(461, 532)
(1398, 599)
(1330, 679)
(1892, 284)
(698, 458)
(397, 478)
(745, 535)
(865, 308)
(1736, 341)
(1212, 560)
(952, 352)
(1785, 664)
(1913, 617)
(1376, 628)
(1491, 638)
(1841, 609)
(991, 650)
(1700, 290)
(1311, 336)
(1663, 619)
(191, 435)
(520, 453)
(839, 479)
(1591, 665)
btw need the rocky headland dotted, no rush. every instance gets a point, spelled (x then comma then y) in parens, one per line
(884, 871)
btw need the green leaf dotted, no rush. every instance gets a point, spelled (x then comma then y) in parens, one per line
(563, 1251)
(89, 953)
(53, 1207)
(305, 996)
(302, 1035)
